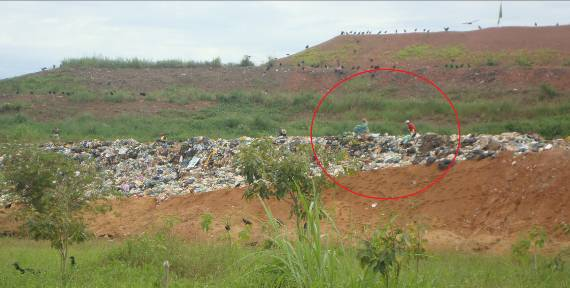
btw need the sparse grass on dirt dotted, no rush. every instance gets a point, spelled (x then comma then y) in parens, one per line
(459, 54)
(256, 113)
(311, 57)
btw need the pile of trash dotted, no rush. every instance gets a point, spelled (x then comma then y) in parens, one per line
(165, 168)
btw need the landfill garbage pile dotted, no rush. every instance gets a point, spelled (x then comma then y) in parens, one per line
(165, 168)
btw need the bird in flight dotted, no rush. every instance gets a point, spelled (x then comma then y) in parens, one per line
(470, 22)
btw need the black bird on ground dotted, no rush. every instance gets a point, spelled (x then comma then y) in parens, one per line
(25, 270)
(73, 262)
(307, 47)
(8, 206)
(228, 227)
(479, 26)
(246, 222)
(446, 29)
(535, 24)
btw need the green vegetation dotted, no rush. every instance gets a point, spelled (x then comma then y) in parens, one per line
(206, 221)
(315, 258)
(10, 107)
(426, 51)
(105, 62)
(256, 113)
(52, 190)
(460, 55)
(246, 61)
(548, 91)
(312, 57)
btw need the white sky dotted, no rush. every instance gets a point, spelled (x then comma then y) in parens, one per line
(40, 34)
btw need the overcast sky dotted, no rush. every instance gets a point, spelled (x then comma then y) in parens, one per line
(40, 34)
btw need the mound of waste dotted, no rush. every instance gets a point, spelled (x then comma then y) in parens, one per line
(200, 164)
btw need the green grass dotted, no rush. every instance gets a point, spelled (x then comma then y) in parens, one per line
(105, 62)
(256, 112)
(138, 263)
(521, 58)
(321, 57)
(58, 84)
(241, 113)
(427, 51)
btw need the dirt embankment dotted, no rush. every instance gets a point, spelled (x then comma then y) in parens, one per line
(480, 205)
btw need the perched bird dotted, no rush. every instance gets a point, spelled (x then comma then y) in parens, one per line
(535, 24)
(307, 47)
(446, 29)
(479, 26)
(246, 222)
(416, 30)
(73, 262)
(228, 227)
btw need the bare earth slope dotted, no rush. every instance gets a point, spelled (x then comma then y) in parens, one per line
(480, 205)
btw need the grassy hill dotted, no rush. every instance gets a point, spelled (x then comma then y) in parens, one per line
(503, 79)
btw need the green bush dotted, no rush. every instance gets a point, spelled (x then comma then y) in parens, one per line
(548, 91)
(246, 61)
(10, 107)
(523, 60)
(492, 61)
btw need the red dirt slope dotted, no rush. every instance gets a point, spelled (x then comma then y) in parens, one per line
(480, 204)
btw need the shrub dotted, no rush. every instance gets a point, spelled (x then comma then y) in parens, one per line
(10, 107)
(53, 190)
(523, 60)
(276, 172)
(246, 61)
(548, 90)
(206, 221)
(491, 61)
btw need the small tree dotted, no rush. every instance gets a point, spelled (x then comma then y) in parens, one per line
(246, 61)
(53, 189)
(537, 237)
(274, 171)
(535, 241)
(415, 243)
(385, 252)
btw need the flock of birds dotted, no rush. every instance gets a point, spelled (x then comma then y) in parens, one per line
(415, 30)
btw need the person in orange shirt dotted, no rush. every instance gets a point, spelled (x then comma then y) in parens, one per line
(411, 128)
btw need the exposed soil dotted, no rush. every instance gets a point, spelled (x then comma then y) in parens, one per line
(287, 76)
(480, 205)
(46, 108)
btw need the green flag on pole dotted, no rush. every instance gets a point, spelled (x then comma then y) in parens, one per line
(500, 13)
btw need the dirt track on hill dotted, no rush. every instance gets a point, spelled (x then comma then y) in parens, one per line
(480, 205)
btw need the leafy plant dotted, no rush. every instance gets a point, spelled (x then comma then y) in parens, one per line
(53, 189)
(246, 61)
(548, 90)
(491, 61)
(276, 172)
(206, 221)
(385, 252)
(529, 246)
